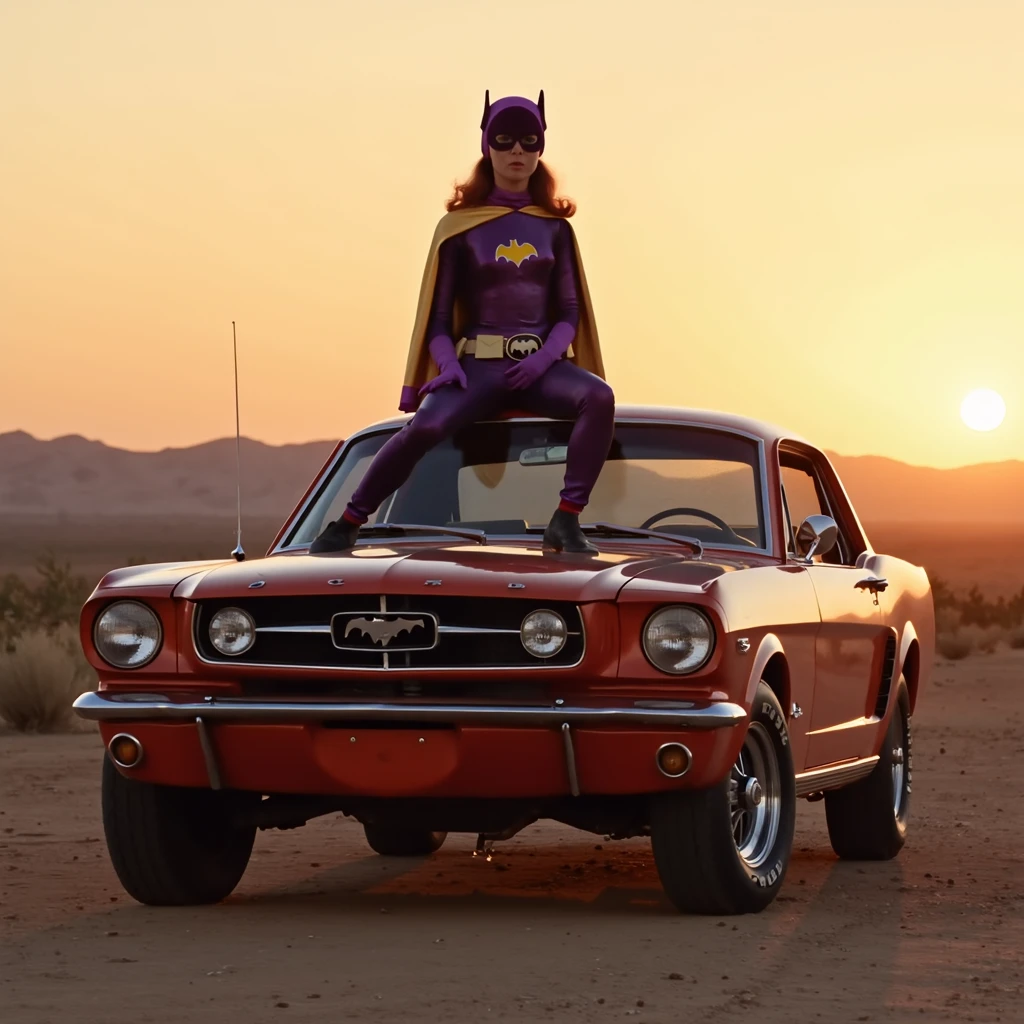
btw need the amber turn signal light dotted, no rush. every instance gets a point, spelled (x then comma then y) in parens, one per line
(125, 750)
(673, 760)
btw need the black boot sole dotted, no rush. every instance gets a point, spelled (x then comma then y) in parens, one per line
(559, 547)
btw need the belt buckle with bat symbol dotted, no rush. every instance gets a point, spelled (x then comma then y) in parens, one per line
(519, 346)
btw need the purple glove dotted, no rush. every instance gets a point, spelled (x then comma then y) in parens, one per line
(443, 350)
(533, 367)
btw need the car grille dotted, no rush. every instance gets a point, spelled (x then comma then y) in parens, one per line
(426, 632)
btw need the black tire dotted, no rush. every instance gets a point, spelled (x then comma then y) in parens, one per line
(398, 841)
(868, 819)
(710, 858)
(175, 846)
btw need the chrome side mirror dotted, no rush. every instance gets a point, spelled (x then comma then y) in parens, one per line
(817, 536)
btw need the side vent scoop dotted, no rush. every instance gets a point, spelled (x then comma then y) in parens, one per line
(888, 667)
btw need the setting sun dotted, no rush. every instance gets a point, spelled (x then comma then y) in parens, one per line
(983, 409)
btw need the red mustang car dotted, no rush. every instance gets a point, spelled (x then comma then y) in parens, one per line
(737, 644)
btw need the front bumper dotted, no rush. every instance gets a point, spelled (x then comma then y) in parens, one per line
(108, 707)
(373, 749)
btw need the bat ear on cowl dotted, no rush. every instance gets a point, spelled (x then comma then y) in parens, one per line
(540, 107)
(487, 109)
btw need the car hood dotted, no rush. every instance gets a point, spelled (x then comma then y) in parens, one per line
(474, 571)
(157, 574)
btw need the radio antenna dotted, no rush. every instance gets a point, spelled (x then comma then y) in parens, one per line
(239, 553)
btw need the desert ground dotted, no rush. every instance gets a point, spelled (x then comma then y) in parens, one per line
(559, 925)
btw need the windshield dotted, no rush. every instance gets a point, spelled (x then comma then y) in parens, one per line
(504, 477)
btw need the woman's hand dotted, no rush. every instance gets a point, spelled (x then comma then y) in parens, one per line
(442, 348)
(530, 370)
(534, 366)
(451, 373)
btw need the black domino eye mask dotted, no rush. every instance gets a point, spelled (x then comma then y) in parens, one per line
(516, 124)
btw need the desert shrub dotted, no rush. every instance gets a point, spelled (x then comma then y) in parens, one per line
(985, 639)
(52, 600)
(41, 673)
(947, 619)
(975, 609)
(954, 646)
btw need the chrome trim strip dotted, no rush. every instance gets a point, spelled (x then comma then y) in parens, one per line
(570, 759)
(293, 629)
(641, 421)
(98, 706)
(209, 753)
(834, 775)
(853, 723)
(482, 629)
(440, 629)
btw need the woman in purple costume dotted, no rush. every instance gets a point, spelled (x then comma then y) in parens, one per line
(506, 258)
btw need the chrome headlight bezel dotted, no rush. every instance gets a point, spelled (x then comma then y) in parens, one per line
(252, 631)
(157, 635)
(701, 617)
(564, 633)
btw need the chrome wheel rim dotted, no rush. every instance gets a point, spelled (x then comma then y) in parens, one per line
(899, 773)
(755, 797)
(897, 780)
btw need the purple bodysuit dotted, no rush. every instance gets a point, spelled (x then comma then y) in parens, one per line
(516, 274)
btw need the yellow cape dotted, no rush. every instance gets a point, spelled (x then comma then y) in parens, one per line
(585, 350)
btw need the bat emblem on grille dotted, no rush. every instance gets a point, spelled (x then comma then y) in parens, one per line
(382, 631)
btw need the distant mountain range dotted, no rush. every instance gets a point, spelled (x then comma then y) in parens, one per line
(72, 476)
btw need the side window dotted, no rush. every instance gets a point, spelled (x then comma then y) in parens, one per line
(804, 496)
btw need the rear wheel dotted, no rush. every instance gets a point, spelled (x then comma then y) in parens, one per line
(399, 841)
(725, 850)
(868, 819)
(172, 845)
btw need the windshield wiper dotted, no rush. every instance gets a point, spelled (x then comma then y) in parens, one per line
(453, 531)
(615, 530)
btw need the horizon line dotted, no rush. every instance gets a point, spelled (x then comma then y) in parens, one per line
(329, 441)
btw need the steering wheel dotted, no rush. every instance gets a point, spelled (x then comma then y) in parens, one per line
(701, 514)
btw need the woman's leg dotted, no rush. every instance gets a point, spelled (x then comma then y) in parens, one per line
(441, 414)
(568, 392)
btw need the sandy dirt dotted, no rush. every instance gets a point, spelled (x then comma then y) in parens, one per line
(559, 925)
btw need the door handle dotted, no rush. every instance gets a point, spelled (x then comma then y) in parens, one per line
(872, 583)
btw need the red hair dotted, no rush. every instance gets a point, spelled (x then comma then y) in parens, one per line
(475, 190)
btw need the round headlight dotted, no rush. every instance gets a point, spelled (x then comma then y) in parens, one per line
(678, 639)
(543, 633)
(127, 634)
(232, 631)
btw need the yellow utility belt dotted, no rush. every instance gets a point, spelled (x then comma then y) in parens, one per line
(499, 346)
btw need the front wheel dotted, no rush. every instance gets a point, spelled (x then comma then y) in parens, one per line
(725, 850)
(868, 819)
(172, 845)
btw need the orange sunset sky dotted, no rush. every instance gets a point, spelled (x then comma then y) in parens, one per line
(810, 212)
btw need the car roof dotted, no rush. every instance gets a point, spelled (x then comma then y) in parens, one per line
(767, 432)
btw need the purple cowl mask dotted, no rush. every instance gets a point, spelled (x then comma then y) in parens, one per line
(515, 118)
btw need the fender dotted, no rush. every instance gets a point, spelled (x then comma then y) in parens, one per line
(907, 636)
(770, 646)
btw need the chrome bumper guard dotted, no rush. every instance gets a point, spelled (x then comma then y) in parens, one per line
(155, 707)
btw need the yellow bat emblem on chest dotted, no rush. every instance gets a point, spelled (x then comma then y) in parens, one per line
(514, 251)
